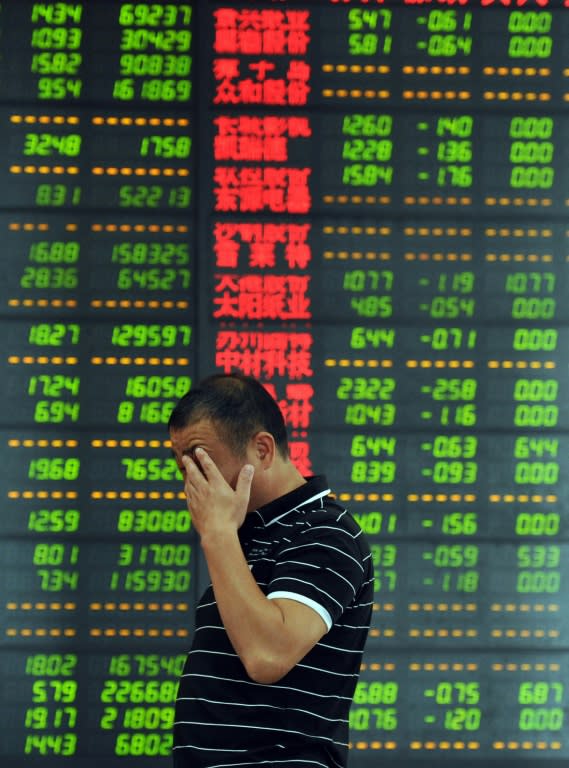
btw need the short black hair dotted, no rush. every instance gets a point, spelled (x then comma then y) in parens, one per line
(238, 405)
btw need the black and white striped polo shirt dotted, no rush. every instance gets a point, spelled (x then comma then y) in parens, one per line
(306, 547)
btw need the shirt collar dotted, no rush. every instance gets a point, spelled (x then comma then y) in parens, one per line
(314, 488)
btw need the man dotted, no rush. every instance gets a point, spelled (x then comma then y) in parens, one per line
(280, 631)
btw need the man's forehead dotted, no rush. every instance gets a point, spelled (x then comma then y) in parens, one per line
(194, 432)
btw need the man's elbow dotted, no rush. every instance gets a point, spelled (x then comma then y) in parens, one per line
(266, 669)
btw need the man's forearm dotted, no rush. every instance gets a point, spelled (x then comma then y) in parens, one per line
(255, 625)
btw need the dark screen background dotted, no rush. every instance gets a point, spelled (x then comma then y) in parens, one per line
(365, 206)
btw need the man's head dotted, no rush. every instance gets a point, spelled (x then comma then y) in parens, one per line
(235, 420)
(239, 407)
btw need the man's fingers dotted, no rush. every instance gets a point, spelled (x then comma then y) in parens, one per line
(186, 461)
(201, 468)
(193, 463)
(244, 480)
(204, 463)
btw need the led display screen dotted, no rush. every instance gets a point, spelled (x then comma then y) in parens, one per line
(363, 204)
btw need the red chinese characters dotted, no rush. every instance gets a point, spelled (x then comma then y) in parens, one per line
(300, 456)
(258, 245)
(297, 409)
(255, 32)
(265, 355)
(261, 34)
(261, 297)
(250, 190)
(263, 139)
(261, 83)
(257, 139)
(261, 286)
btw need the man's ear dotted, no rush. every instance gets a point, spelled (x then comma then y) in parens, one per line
(265, 448)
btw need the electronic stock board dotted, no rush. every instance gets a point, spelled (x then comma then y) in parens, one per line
(365, 205)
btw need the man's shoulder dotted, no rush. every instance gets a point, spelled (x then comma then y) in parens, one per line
(330, 521)
(332, 513)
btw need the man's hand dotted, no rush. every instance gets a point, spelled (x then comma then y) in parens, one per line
(214, 505)
(269, 636)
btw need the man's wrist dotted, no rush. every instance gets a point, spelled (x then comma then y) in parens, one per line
(218, 539)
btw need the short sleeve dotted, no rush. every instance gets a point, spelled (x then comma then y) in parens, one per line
(323, 566)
